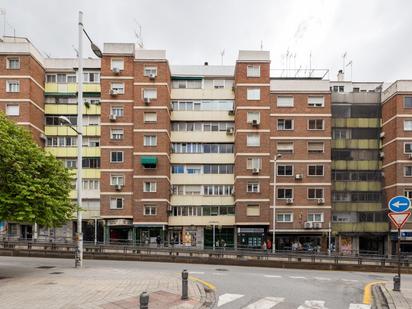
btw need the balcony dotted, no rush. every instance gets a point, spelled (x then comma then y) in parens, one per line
(355, 207)
(357, 186)
(356, 122)
(201, 94)
(355, 144)
(199, 179)
(201, 137)
(356, 165)
(67, 131)
(203, 158)
(201, 116)
(71, 109)
(71, 152)
(192, 200)
(70, 88)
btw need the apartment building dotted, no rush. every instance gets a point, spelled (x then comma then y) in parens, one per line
(359, 222)
(216, 156)
(397, 151)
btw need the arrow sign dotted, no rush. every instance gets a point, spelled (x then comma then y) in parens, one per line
(399, 204)
(399, 219)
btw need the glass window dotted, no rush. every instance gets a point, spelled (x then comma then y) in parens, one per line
(117, 63)
(408, 147)
(285, 124)
(61, 78)
(150, 140)
(253, 116)
(150, 210)
(13, 86)
(315, 124)
(285, 170)
(315, 217)
(118, 87)
(315, 193)
(117, 180)
(253, 140)
(149, 186)
(315, 170)
(150, 94)
(50, 78)
(285, 101)
(150, 71)
(71, 78)
(253, 187)
(407, 102)
(254, 163)
(13, 63)
(218, 83)
(253, 93)
(253, 71)
(178, 169)
(116, 203)
(284, 193)
(253, 210)
(316, 101)
(116, 156)
(407, 171)
(150, 117)
(286, 217)
(12, 109)
(284, 147)
(316, 146)
(116, 133)
(407, 125)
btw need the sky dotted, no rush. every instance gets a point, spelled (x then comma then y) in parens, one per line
(374, 34)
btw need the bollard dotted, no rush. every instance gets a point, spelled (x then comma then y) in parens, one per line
(185, 276)
(396, 283)
(144, 300)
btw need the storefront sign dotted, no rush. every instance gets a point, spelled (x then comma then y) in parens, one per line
(250, 230)
(117, 222)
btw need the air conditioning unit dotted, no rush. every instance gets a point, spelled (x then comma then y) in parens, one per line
(118, 187)
(112, 117)
(146, 100)
(114, 92)
(382, 135)
(317, 225)
(255, 171)
(116, 71)
(152, 76)
(231, 112)
(299, 176)
(381, 154)
(255, 122)
(410, 156)
(230, 131)
(289, 201)
(307, 225)
(321, 201)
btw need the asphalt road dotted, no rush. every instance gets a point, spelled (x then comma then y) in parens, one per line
(247, 287)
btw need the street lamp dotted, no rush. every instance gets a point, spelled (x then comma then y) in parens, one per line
(277, 156)
(64, 119)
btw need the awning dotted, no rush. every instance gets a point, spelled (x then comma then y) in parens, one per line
(148, 161)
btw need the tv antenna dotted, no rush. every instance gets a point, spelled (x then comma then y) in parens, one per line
(350, 63)
(261, 44)
(138, 34)
(222, 53)
(344, 61)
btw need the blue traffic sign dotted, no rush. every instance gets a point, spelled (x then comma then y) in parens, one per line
(399, 204)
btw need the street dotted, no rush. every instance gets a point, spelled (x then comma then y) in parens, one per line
(235, 287)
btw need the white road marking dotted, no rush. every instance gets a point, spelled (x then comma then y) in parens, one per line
(350, 280)
(359, 306)
(218, 274)
(227, 298)
(266, 303)
(197, 272)
(296, 277)
(313, 304)
(322, 278)
(272, 276)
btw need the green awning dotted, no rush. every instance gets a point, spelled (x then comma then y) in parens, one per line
(148, 161)
(187, 78)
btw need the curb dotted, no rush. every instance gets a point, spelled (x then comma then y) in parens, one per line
(207, 296)
(381, 297)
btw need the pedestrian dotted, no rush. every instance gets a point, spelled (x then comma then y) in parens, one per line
(269, 245)
(264, 247)
(158, 240)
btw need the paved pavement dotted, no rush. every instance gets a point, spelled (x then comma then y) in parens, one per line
(55, 283)
(104, 283)
(402, 299)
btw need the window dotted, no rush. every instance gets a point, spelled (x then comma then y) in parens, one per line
(286, 217)
(339, 133)
(253, 140)
(315, 124)
(91, 142)
(315, 217)
(91, 184)
(284, 193)
(149, 117)
(50, 78)
(150, 94)
(285, 170)
(70, 163)
(149, 187)
(12, 110)
(150, 210)
(285, 147)
(218, 83)
(408, 193)
(116, 203)
(253, 93)
(117, 63)
(117, 180)
(61, 79)
(407, 102)
(150, 140)
(253, 163)
(253, 71)
(253, 187)
(178, 169)
(252, 210)
(118, 87)
(407, 125)
(91, 162)
(89, 77)
(285, 124)
(316, 147)
(189, 84)
(318, 101)
(338, 88)
(407, 147)
(13, 63)
(91, 120)
(194, 169)
(71, 79)
(315, 193)
(61, 141)
(13, 86)
(149, 71)
(116, 133)
(117, 111)
(315, 170)
(285, 101)
(407, 171)
(116, 156)
(253, 116)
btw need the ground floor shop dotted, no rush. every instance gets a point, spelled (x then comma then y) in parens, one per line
(309, 242)
(361, 243)
(251, 237)
(405, 242)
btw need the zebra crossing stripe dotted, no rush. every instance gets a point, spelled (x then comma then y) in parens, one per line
(265, 303)
(227, 298)
(313, 304)
(359, 306)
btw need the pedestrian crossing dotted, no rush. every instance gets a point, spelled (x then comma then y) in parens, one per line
(271, 302)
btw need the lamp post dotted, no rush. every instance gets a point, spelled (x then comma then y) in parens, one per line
(278, 155)
(98, 53)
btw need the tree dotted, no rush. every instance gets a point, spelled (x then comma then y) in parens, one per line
(34, 185)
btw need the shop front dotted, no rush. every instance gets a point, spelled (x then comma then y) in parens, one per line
(153, 234)
(223, 237)
(301, 242)
(186, 236)
(118, 231)
(251, 237)
(406, 242)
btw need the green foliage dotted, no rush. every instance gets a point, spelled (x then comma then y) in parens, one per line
(34, 185)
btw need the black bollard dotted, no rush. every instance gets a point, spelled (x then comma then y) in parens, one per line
(185, 276)
(396, 283)
(144, 300)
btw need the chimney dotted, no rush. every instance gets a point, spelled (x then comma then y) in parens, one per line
(341, 76)
(206, 63)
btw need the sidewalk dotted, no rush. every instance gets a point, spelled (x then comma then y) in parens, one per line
(398, 300)
(45, 286)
